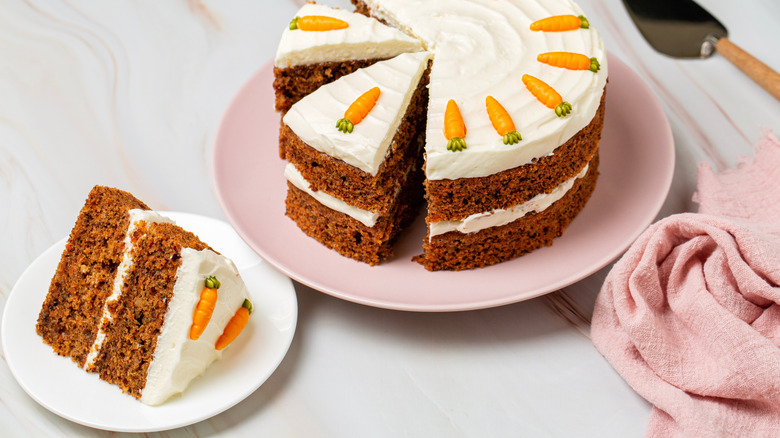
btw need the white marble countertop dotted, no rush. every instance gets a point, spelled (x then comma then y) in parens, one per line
(130, 94)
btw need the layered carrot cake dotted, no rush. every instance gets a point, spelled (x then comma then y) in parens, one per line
(513, 121)
(139, 300)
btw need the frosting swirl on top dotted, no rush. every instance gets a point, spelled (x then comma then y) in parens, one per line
(483, 48)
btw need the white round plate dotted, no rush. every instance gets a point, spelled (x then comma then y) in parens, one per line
(60, 386)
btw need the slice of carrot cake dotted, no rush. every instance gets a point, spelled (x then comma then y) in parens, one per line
(322, 43)
(139, 300)
(355, 154)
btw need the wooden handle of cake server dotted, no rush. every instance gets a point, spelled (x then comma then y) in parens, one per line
(761, 73)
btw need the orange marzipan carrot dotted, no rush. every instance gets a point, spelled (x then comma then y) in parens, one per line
(363, 105)
(543, 92)
(569, 60)
(502, 121)
(560, 23)
(546, 95)
(235, 325)
(205, 307)
(358, 110)
(454, 127)
(317, 23)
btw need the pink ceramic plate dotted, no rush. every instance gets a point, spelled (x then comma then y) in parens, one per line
(637, 162)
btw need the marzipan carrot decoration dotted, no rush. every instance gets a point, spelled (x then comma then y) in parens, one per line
(547, 95)
(235, 325)
(569, 60)
(560, 23)
(205, 307)
(317, 23)
(502, 121)
(454, 128)
(358, 110)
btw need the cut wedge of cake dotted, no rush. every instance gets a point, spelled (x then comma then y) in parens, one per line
(355, 188)
(322, 44)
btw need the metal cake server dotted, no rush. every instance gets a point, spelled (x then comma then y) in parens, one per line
(683, 29)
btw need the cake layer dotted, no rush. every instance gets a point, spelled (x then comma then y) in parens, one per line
(483, 48)
(459, 198)
(458, 251)
(348, 236)
(361, 189)
(70, 316)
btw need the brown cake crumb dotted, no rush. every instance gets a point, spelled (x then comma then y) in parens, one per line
(361, 8)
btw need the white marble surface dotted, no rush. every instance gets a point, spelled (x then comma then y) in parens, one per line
(130, 94)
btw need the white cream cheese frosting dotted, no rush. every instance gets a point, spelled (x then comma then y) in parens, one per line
(483, 47)
(496, 218)
(365, 38)
(178, 359)
(313, 118)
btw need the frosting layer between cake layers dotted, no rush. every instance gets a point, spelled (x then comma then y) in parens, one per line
(482, 48)
(496, 218)
(365, 217)
(365, 38)
(314, 117)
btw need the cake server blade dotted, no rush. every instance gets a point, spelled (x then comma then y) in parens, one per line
(683, 29)
(678, 28)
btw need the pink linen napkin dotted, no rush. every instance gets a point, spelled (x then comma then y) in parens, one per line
(690, 315)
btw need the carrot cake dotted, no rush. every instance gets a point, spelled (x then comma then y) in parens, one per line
(139, 300)
(513, 118)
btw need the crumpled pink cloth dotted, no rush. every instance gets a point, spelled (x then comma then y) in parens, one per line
(690, 315)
